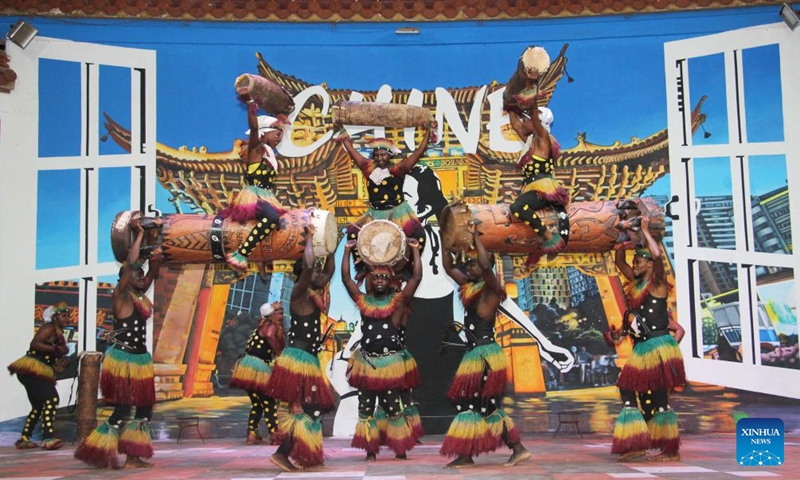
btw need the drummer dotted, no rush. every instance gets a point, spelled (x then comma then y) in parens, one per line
(257, 200)
(540, 188)
(385, 188)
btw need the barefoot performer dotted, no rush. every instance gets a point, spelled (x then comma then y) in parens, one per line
(36, 371)
(655, 366)
(297, 376)
(253, 370)
(480, 381)
(378, 367)
(126, 376)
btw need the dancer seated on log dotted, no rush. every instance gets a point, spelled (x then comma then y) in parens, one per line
(378, 368)
(36, 371)
(253, 370)
(257, 201)
(479, 384)
(126, 374)
(655, 365)
(385, 188)
(297, 376)
(540, 189)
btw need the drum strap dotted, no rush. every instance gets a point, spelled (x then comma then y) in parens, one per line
(215, 239)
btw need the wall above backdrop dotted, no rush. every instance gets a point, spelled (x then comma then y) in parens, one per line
(358, 10)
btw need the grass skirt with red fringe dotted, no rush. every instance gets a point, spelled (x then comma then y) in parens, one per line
(297, 377)
(502, 428)
(379, 373)
(99, 448)
(136, 440)
(33, 367)
(251, 374)
(306, 438)
(548, 189)
(482, 361)
(367, 436)
(127, 378)
(655, 364)
(399, 434)
(664, 433)
(630, 432)
(411, 412)
(249, 202)
(468, 435)
(412, 370)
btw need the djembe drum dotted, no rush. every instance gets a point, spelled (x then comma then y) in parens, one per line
(381, 242)
(186, 238)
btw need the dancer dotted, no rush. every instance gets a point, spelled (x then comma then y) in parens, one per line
(385, 188)
(540, 189)
(378, 368)
(257, 201)
(655, 366)
(126, 377)
(480, 381)
(252, 371)
(36, 371)
(297, 375)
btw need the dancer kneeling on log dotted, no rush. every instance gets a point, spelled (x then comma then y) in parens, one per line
(540, 189)
(480, 381)
(257, 201)
(297, 376)
(377, 369)
(385, 188)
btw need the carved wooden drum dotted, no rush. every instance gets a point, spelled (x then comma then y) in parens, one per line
(187, 238)
(269, 96)
(392, 115)
(381, 242)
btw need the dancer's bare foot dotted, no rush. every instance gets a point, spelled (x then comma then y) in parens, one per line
(136, 462)
(632, 455)
(371, 457)
(401, 456)
(282, 461)
(518, 457)
(461, 462)
(253, 439)
(665, 457)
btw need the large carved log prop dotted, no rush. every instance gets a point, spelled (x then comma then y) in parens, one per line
(392, 115)
(593, 226)
(187, 238)
(268, 95)
(86, 402)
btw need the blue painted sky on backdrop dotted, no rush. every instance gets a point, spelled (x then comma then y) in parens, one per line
(617, 63)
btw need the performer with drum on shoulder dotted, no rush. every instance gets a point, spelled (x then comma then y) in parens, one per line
(385, 188)
(377, 368)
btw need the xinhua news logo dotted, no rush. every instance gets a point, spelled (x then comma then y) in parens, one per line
(759, 442)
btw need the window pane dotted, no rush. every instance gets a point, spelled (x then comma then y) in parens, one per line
(721, 325)
(772, 225)
(58, 219)
(761, 74)
(777, 317)
(713, 191)
(59, 108)
(115, 101)
(114, 196)
(707, 78)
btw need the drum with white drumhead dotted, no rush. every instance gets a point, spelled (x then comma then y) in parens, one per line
(381, 242)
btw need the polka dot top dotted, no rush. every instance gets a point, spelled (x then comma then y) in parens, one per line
(130, 333)
(261, 175)
(304, 331)
(259, 347)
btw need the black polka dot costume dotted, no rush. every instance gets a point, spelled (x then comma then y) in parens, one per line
(256, 201)
(481, 424)
(378, 371)
(654, 367)
(36, 373)
(251, 374)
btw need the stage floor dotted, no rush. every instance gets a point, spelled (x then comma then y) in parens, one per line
(567, 457)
